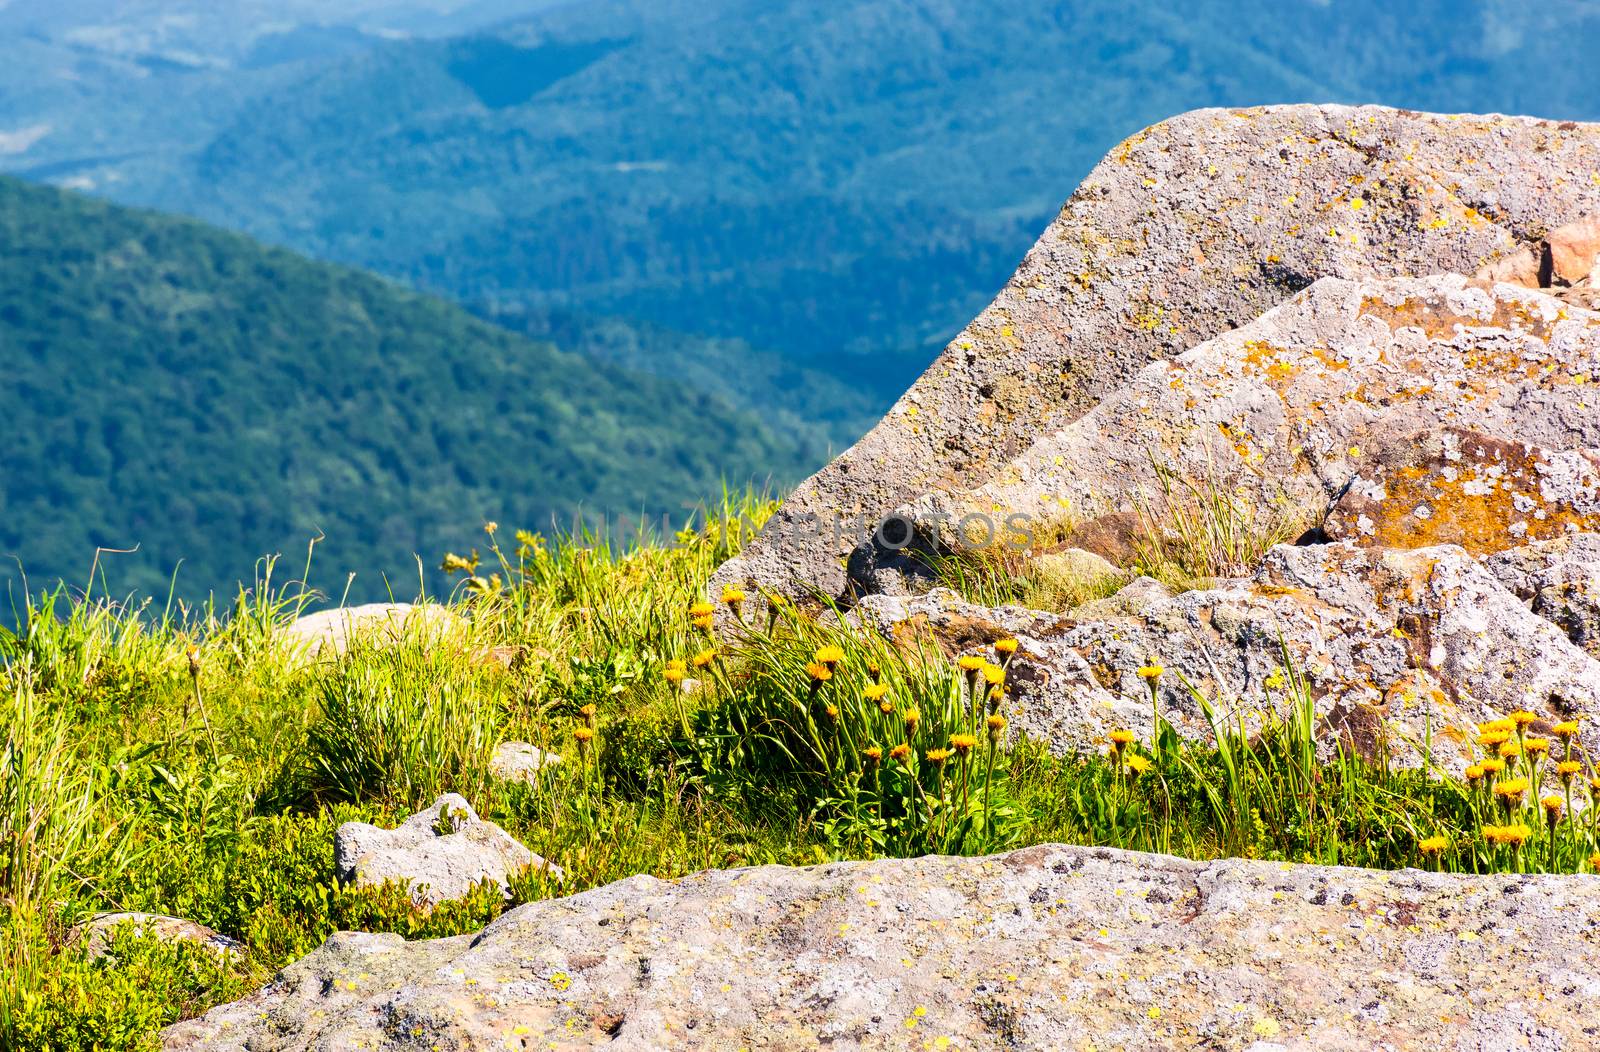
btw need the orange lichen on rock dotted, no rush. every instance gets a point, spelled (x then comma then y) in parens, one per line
(1455, 486)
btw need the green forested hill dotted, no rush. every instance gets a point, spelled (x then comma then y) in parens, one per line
(187, 391)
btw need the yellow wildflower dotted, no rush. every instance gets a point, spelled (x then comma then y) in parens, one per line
(1151, 672)
(939, 755)
(702, 610)
(994, 675)
(872, 753)
(732, 596)
(1514, 835)
(1594, 861)
(1474, 773)
(1490, 739)
(1493, 766)
(1552, 805)
(1522, 717)
(996, 724)
(583, 734)
(1434, 845)
(1511, 790)
(832, 710)
(1567, 769)
(706, 623)
(1502, 724)
(971, 662)
(1121, 737)
(1005, 647)
(819, 673)
(962, 742)
(911, 717)
(1510, 750)
(831, 654)
(1538, 746)
(1136, 763)
(875, 691)
(900, 752)
(1565, 730)
(705, 657)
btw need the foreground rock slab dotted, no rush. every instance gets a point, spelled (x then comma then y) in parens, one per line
(443, 851)
(1046, 948)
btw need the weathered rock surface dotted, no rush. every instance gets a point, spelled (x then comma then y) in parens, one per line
(1046, 948)
(520, 761)
(1561, 581)
(1457, 486)
(1281, 413)
(1398, 646)
(95, 934)
(1186, 230)
(444, 851)
(330, 632)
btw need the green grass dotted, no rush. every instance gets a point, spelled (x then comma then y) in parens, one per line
(194, 765)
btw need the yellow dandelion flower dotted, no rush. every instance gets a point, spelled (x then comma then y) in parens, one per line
(1538, 746)
(1005, 647)
(1151, 672)
(996, 724)
(819, 672)
(1434, 845)
(732, 596)
(937, 756)
(702, 609)
(1565, 730)
(674, 674)
(1493, 766)
(706, 623)
(1490, 739)
(872, 753)
(886, 706)
(1568, 769)
(911, 717)
(1551, 803)
(583, 734)
(1509, 750)
(1474, 773)
(830, 655)
(1522, 717)
(832, 711)
(705, 657)
(971, 662)
(1594, 861)
(875, 691)
(1122, 737)
(1514, 835)
(1136, 763)
(994, 675)
(1512, 789)
(588, 710)
(963, 743)
(1501, 724)
(900, 752)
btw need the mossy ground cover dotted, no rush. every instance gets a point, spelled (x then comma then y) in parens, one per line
(189, 762)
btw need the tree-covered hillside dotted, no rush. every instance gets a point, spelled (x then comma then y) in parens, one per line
(812, 176)
(188, 392)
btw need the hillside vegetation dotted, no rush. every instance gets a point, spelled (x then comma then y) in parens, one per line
(200, 767)
(187, 392)
(811, 176)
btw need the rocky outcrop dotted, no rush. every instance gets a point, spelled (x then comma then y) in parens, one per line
(1281, 414)
(1409, 649)
(1456, 486)
(329, 633)
(443, 852)
(1046, 948)
(1187, 230)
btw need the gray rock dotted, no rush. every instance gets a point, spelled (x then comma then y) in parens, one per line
(520, 761)
(1131, 600)
(1046, 948)
(1186, 230)
(95, 934)
(1405, 648)
(1561, 580)
(330, 632)
(439, 864)
(1280, 414)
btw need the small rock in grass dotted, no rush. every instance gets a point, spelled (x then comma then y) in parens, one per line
(96, 932)
(443, 851)
(520, 761)
(331, 632)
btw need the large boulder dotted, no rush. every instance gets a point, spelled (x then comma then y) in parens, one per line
(1560, 580)
(1407, 649)
(1281, 414)
(443, 852)
(1046, 948)
(1186, 230)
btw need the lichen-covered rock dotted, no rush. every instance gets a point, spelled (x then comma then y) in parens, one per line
(330, 632)
(443, 851)
(1561, 581)
(1186, 230)
(95, 934)
(1046, 948)
(1404, 647)
(1456, 486)
(1281, 413)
